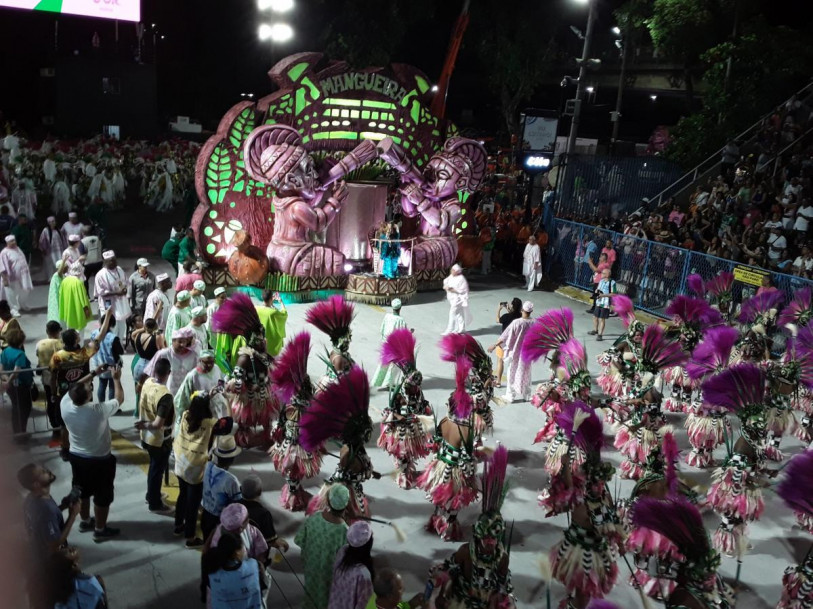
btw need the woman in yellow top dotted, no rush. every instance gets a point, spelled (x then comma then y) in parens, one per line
(7, 323)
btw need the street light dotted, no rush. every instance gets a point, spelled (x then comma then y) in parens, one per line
(278, 6)
(616, 30)
(584, 62)
(277, 32)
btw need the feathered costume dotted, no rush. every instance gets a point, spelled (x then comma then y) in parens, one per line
(340, 412)
(293, 388)
(450, 478)
(253, 403)
(736, 491)
(477, 576)
(706, 424)
(640, 430)
(333, 317)
(719, 290)
(803, 399)
(548, 333)
(690, 318)
(585, 560)
(796, 489)
(680, 522)
(402, 431)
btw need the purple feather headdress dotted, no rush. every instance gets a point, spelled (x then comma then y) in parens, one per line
(659, 351)
(757, 309)
(462, 401)
(547, 334)
(237, 316)
(671, 453)
(796, 487)
(802, 350)
(340, 411)
(399, 349)
(676, 519)
(720, 286)
(799, 311)
(624, 308)
(686, 310)
(454, 346)
(493, 480)
(713, 353)
(736, 388)
(696, 285)
(332, 316)
(573, 357)
(290, 372)
(589, 435)
(600, 603)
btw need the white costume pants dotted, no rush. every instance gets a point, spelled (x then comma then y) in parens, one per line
(459, 317)
(16, 296)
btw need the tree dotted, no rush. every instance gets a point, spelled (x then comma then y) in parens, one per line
(515, 45)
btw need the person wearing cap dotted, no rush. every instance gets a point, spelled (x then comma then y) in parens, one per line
(181, 356)
(60, 195)
(220, 486)
(140, 286)
(353, 569)
(111, 292)
(156, 420)
(260, 516)
(319, 538)
(73, 255)
(230, 578)
(53, 292)
(211, 309)
(197, 296)
(518, 383)
(51, 244)
(234, 519)
(16, 276)
(389, 376)
(72, 227)
(91, 247)
(179, 315)
(23, 231)
(157, 305)
(532, 263)
(457, 293)
(197, 324)
(203, 378)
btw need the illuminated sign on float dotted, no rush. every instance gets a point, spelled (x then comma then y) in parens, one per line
(537, 162)
(122, 10)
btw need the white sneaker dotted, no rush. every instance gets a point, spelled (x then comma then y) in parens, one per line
(15, 313)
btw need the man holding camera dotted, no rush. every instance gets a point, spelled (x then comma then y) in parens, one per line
(91, 458)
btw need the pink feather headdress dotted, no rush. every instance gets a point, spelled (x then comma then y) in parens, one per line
(399, 349)
(686, 310)
(624, 308)
(676, 519)
(547, 333)
(760, 308)
(695, 283)
(799, 311)
(720, 285)
(801, 350)
(340, 411)
(454, 346)
(573, 357)
(671, 454)
(796, 487)
(332, 316)
(659, 351)
(713, 353)
(461, 400)
(589, 436)
(493, 480)
(736, 388)
(237, 316)
(290, 372)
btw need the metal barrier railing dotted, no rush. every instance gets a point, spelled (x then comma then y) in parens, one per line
(649, 272)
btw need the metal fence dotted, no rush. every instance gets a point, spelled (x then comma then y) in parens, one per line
(650, 273)
(610, 186)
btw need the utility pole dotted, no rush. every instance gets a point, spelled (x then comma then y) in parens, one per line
(577, 106)
(616, 118)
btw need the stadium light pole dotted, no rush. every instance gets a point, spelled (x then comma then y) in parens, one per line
(583, 62)
(277, 6)
(622, 42)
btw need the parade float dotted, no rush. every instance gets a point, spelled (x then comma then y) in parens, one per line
(291, 188)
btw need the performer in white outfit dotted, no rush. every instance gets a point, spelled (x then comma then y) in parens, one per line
(111, 291)
(532, 263)
(16, 276)
(457, 293)
(389, 376)
(61, 195)
(51, 244)
(73, 226)
(519, 371)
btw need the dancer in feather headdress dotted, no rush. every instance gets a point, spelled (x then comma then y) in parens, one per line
(253, 403)
(450, 480)
(294, 389)
(736, 491)
(690, 318)
(802, 400)
(719, 290)
(548, 333)
(340, 413)
(640, 430)
(619, 362)
(478, 576)
(758, 315)
(796, 489)
(698, 585)
(585, 560)
(480, 384)
(333, 317)
(402, 431)
(706, 424)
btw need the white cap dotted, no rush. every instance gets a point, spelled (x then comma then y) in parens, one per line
(51, 219)
(396, 303)
(457, 268)
(74, 238)
(528, 306)
(73, 215)
(108, 255)
(162, 277)
(199, 285)
(183, 295)
(143, 262)
(198, 311)
(220, 290)
(10, 238)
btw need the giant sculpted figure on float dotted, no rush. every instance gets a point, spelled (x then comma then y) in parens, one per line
(303, 209)
(432, 195)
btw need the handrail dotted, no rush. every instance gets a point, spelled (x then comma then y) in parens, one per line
(778, 155)
(716, 154)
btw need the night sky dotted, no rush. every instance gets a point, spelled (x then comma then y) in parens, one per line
(211, 54)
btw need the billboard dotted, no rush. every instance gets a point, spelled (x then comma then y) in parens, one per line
(123, 10)
(539, 130)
